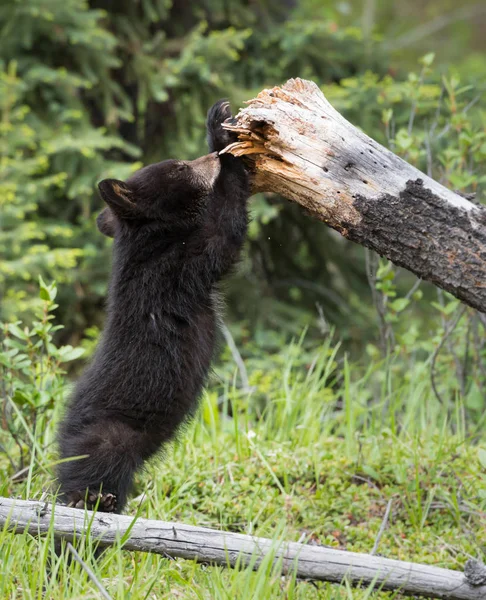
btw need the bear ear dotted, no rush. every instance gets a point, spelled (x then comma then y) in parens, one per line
(106, 222)
(119, 198)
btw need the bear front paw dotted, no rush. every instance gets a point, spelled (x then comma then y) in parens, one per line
(219, 138)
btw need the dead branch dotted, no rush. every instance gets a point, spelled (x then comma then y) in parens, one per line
(300, 147)
(177, 540)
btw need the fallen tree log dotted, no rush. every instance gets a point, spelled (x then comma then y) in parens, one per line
(177, 540)
(299, 146)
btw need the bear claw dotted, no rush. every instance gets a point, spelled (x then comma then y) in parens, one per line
(105, 502)
(218, 137)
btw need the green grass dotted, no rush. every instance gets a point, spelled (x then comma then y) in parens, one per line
(316, 450)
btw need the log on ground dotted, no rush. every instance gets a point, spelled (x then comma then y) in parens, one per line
(230, 549)
(299, 146)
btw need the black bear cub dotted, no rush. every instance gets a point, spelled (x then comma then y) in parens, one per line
(178, 229)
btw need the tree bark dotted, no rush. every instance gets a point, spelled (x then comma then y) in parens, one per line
(299, 146)
(177, 540)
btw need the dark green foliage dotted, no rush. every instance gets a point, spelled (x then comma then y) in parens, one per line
(88, 88)
(54, 54)
(33, 382)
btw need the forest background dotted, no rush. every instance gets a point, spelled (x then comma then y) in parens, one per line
(325, 342)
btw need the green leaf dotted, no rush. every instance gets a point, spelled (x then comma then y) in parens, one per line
(15, 330)
(67, 353)
(43, 290)
(371, 472)
(475, 398)
(20, 397)
(385, 271)
(403, 140)
(482, 457)
(386, 115)
(428, 59)
(399, 304)
(47, 292)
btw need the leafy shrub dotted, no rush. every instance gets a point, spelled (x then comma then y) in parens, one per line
(33, 380)
(84, 92)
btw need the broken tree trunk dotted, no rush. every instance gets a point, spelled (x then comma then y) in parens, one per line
(177, 540)
(299, 146)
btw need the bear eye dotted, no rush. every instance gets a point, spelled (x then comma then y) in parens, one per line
(181, 167)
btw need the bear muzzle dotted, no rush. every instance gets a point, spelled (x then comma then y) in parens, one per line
(206, 169)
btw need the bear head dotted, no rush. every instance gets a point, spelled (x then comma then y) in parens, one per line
(171, 195)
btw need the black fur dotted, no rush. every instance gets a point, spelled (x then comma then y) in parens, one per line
(178, 228)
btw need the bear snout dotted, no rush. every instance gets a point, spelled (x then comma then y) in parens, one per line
(206, 169)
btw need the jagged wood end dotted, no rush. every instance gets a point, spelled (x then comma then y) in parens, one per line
(297, 145)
